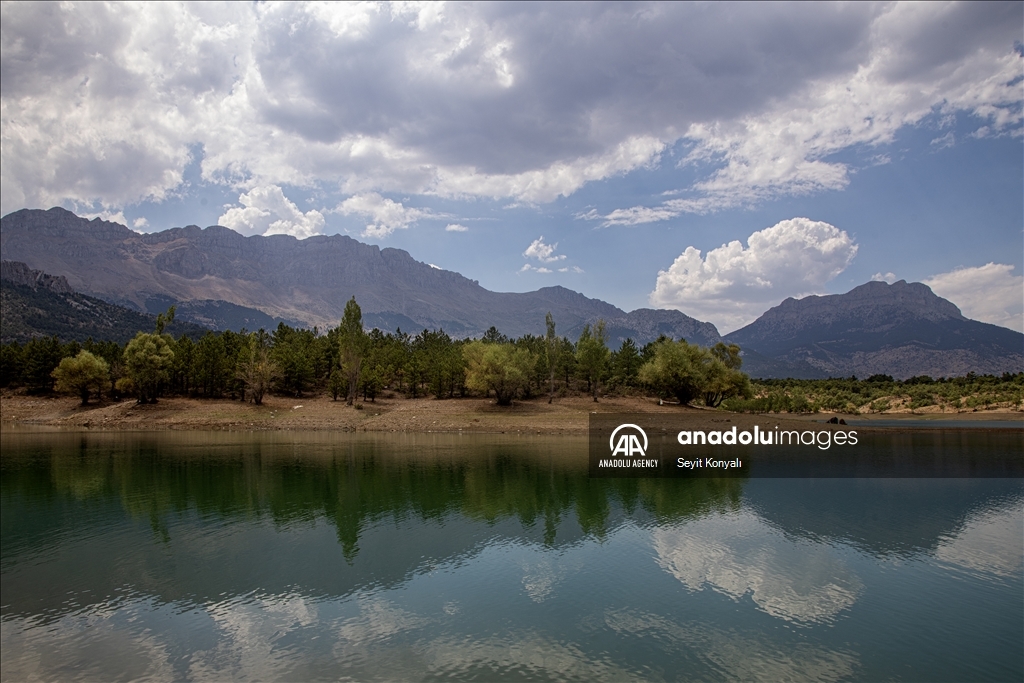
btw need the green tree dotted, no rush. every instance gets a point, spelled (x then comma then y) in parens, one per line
(352, 340)
(81, 375)
(147, 360)
(721, 382)
(40, 356)
(566, 365)
(211, 365)
(722, 376)
(164, 319)
(626, 364)
(183, 370)
(551, 350)
(592, 356)
(676, 369)
(492, 336)
(11, 361)
(255, 369)
(335, 384)
(728, 354)
(501, 368)
(293, 352)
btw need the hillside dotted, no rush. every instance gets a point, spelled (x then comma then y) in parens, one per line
(35, 304)
(902, 329)
(307, 281)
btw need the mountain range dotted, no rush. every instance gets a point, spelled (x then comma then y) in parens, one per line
(305, 282)
(222, 280)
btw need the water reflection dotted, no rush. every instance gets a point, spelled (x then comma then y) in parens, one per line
(742, 658)
(793, 579)
(201, 556)
(989, 541)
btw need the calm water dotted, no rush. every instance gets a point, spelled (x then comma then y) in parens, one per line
(308, 557)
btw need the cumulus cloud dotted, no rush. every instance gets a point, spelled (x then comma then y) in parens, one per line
(455, 227)
(101, 104)
(990, 293)
(266, 211)
(543, 252)
(889, 277)
(385, 215)
(732, 284)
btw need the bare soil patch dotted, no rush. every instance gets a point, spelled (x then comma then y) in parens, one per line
(564, 416)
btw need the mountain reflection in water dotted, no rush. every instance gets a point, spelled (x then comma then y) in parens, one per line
(254, 556)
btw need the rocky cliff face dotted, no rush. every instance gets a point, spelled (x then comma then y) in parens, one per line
(902, 329)
(308, 281)
(20, 274)
(34, 304)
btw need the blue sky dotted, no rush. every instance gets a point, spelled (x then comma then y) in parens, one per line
(715, 158)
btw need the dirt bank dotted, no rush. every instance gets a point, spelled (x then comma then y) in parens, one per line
(564, 416)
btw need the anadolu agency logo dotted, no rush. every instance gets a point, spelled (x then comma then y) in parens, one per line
(628, 445)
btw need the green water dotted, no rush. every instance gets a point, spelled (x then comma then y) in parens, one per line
(212, 556)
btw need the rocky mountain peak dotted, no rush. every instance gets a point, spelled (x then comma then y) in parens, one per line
(902, 329)
(873, 303)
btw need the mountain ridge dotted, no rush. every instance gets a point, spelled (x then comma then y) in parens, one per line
(903, 329)
(222, 279)
(307, 281)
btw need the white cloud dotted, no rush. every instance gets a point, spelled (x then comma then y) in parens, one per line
(640, 214)
(101, 104)
(733, 284)
(107, 215)
(536, 269)
(266, 211)
(543, 252)
(947, 140)
(140, 223)
(385, 215)
(884, 277)
(455, 227)
(989, 293)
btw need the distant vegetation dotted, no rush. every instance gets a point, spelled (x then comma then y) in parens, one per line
(881, 393)
(349, 362)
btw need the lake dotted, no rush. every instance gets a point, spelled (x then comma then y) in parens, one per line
(290, 556)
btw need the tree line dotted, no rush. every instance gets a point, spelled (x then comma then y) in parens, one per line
(880, 393)
(352, 363)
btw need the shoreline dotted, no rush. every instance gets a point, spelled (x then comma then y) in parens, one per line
(567, 415)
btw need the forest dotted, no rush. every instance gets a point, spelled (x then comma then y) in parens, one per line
(347, 362)
(352, 364)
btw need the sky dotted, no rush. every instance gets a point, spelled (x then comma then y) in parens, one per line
(713, 158)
